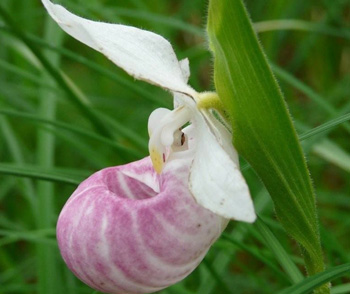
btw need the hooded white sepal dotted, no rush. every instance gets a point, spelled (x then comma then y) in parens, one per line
(142, 54)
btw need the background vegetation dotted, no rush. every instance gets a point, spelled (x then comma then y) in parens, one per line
(60, 131)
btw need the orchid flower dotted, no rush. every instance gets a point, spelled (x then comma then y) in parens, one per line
(141, 227)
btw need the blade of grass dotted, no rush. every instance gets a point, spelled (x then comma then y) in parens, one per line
(12, 97)
(57, 76)
(124, 131)
(135, 87)
(14, 272)
(341, 289)
(39, 174)
(13, 143)
(70, 281)
(331, 124)
(216, 276)
(155, 18)
(7, 262)
(6, 223)
(133, 136)
(5, 187)
(331, 152)
(97, 160)
(311, 283)
(118, 129)
(277, 249)
(179, 289)
(39, 236)
(256, 254)
(16, 288)
(70, 128)
(22, 73)
(325, 126)
(140, 4)
(222, 260)
(333, 246)
(318, 99)
(300, 25)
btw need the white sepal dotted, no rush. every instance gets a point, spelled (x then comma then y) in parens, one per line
(215, 179)
(185, 68)
(142, 54)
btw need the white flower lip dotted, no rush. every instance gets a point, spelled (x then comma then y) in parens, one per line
(215, 179)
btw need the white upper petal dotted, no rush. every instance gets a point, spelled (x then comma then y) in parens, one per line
(215, 179)
(143, 54)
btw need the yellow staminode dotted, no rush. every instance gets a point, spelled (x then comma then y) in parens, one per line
(211, 100)
(208, 100)
(157, 159)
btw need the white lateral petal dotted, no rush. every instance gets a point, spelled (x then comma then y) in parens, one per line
(223, 136)
(215, 179)
(142, 54)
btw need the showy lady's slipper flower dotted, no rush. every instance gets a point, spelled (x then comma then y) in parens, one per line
(143, 226)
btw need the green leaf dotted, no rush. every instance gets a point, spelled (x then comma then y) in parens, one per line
(311, 283)
(263, 131)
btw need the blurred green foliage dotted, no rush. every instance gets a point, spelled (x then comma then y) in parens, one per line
(59, 143)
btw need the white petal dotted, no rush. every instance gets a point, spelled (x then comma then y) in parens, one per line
(215, 179)
(142, 54)
(223, 136)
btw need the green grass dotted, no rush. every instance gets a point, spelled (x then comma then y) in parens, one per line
(76, 113)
